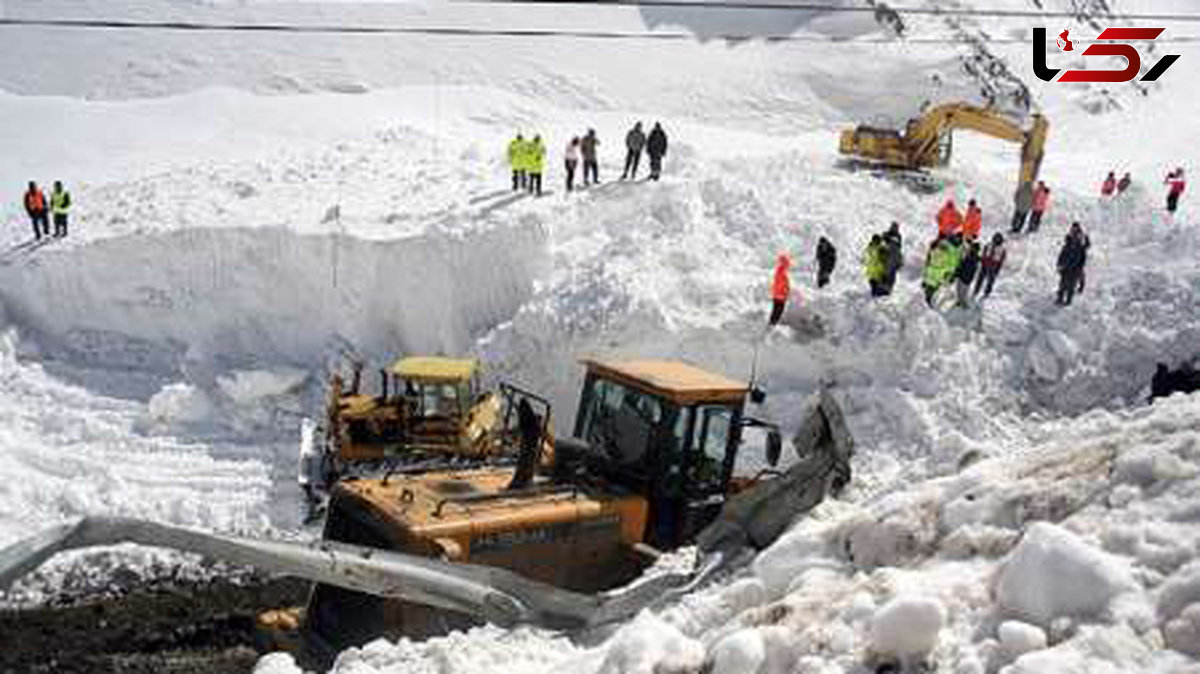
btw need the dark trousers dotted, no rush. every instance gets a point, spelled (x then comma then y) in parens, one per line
(60, 224)
(1018, 222)
(1068, 283)
(1035, 221)
(41, 226)
(571, 174)
(878, 287)
(655, 167)
(518, 179)
(777, 311)
(986, 279)
(930, 291)
(632, 158)
(823, 275)
(534, 182)
(1172, 201)
(590, 168)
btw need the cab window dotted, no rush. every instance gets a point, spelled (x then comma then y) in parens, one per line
(707, 462)
(621, 420)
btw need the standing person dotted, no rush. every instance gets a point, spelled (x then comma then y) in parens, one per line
(60, 207)
(994, 255)
(1124, 183)
(1041, 201)
(967, 268)
(588, 148)
(656, 147)
(536, 153)
(973, 222)
(781, 287)
(949, 220)
(1175, 189)
(516, 161)
(635, 140)
(1109, 185)
(1085, 242)
(1071, 258)
(940, 265)
(572, 160)
(894, 244)
(826, 261)
(875, 265)
(1021, 205)
(35, 206)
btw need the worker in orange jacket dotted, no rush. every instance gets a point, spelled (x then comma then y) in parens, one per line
(949, 220)
(781, 287)
(973, 223)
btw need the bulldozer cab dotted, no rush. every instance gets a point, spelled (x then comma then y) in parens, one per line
(666, 430)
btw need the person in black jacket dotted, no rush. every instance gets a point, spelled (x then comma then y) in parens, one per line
(635, 140)
(895, 256)
(1071, 259)
(967, 268)
(826, 261)
(656, 147)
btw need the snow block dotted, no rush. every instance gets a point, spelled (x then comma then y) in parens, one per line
(907, 626)
(742, 652)
(1018, 638)
(650, 646)
(1052, 572)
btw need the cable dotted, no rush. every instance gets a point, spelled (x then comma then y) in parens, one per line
(185, 26)
(825, 7)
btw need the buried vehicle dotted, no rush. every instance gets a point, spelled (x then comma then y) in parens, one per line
(428, 410)
(650, 467)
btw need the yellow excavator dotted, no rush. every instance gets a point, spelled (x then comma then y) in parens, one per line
(926, 140)
(653, 464)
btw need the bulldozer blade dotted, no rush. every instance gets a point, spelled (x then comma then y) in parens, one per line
(496, 595)
(493, 594)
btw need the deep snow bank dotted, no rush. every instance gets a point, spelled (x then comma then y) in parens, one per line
(203, 301)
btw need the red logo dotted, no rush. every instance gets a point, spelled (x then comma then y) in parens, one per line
(1133, 60)
(1063, 43)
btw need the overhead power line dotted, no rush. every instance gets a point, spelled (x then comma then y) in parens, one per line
(188, 26)
(826, 7)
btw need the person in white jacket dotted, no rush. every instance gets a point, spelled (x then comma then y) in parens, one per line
(572, 161)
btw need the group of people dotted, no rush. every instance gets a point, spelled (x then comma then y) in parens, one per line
(962, 260)
(1112, 187)
(883, 259)
(527, 158)
(41, 210)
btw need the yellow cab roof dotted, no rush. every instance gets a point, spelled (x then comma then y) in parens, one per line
(677, 381)
(434, 368)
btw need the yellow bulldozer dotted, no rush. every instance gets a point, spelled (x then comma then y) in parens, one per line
(927, 140)
(653, 464)
(427, 408)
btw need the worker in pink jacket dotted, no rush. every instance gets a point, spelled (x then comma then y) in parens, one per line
(1041, 201)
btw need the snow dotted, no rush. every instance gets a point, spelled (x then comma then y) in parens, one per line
(907, 627)
(250, 208)
(1053, 573)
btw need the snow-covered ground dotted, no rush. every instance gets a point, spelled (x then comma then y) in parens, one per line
(250, 206)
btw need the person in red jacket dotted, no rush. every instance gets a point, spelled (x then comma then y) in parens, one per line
(1175, 189)
(1109, 186)
(1041, 201)
(949, 220)
(781, 287)
(973, 222)
(994, 255)
(35, 206)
